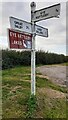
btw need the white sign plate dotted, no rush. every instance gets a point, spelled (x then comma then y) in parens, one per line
(46, 13)
(20, 25)
(41, 31)
(24, 26)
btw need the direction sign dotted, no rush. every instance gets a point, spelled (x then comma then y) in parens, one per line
(49, 12)
(41, 31)
(19, 40)
(22, 25)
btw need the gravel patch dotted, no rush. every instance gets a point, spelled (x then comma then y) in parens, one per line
(56, 73)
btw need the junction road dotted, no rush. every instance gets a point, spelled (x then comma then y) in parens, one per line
(56, 73)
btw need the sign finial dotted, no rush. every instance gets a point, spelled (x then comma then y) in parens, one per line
(33, 4)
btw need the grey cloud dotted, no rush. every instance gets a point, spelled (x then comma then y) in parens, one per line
(16, 9)
(41, 45)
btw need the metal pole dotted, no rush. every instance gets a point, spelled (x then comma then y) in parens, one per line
(33, 89)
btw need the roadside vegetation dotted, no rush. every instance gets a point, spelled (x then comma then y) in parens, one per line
(17, 101)
(11, 58)
(49, 102)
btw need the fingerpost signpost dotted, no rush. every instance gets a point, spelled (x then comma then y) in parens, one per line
(22, 34)
(52, 11)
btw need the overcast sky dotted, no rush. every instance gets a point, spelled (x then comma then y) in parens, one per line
(56, 41)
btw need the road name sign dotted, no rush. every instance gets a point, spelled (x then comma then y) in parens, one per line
(19, 40)
(22, 25)
(46, 13)
(41, 31)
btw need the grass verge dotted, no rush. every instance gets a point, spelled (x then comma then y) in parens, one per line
(17, 103)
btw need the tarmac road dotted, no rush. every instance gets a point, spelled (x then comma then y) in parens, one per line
(56, 73)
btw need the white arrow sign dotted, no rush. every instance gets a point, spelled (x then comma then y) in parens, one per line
(49, 12)
(20, 25)
(41, 31)
(24, 26)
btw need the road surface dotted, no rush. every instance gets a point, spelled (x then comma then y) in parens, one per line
(56, 73)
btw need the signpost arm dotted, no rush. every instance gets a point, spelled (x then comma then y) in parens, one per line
(33, 89)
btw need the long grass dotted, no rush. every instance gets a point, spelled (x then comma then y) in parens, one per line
(16, 92)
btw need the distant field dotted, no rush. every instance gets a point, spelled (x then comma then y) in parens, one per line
(16, 90)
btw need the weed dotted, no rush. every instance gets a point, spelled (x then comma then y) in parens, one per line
(31, 106)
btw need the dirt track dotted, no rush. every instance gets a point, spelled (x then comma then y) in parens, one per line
(56, 73)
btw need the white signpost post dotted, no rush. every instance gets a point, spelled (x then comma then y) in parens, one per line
(32, 28)
(52, 11)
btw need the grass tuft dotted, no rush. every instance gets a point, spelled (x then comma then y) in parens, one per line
(31, 106)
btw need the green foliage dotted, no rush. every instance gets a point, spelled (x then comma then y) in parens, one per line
(47, 83)
(11, 58)
(17, 104)
(49, 58)
(31, 106)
